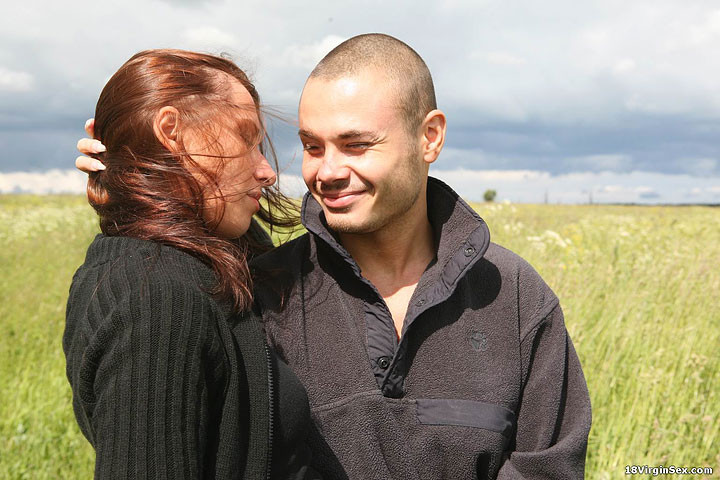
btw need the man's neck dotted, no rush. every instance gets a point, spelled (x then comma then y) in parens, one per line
(394, 258)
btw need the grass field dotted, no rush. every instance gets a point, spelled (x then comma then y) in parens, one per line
(640, 287)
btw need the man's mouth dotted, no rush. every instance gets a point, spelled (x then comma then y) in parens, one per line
(340, 199)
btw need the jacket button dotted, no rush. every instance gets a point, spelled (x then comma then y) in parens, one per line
(469, 251)
(420, 302)
(383, 362)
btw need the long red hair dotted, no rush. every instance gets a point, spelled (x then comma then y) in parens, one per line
(147, 191)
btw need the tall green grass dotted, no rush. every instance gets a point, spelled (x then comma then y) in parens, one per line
(43, 241)
(640, 287)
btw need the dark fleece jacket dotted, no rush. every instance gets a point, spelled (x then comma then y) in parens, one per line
(483, 383)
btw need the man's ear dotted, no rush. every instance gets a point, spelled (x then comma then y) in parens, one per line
(166, 127)
(433, 135)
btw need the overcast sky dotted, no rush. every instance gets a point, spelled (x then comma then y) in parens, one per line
(561, 100)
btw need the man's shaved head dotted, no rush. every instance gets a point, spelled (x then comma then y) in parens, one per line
(391, 58)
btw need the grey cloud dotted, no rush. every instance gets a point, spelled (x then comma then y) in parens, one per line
(38, 150)
(670, 144)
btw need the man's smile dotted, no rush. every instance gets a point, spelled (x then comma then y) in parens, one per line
(340, 199)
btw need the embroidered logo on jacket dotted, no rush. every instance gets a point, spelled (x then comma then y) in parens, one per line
(478, 341)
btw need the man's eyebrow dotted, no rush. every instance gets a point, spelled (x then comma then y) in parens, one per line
(350, 134)
(358, 134)
(306, 133)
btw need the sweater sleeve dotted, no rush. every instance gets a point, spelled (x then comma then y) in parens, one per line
(554, 415)
(150, 383)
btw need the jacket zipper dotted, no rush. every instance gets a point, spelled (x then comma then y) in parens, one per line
(271, 395)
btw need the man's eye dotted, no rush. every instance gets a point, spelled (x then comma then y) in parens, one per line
(310, 148)
(358, 146)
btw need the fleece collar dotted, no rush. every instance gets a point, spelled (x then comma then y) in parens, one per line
(462, 238)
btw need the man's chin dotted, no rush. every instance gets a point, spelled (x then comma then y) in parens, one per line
(343, 222)
(349, 223)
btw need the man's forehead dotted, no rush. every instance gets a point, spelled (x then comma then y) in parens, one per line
(346, 124)
(369, 84)
(346, 107)
(350, 85)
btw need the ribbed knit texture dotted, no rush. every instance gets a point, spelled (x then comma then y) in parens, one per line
(160, 370)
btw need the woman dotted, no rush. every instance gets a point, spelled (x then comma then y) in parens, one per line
(170, 373)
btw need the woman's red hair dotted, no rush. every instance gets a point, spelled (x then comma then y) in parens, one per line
(147, 191)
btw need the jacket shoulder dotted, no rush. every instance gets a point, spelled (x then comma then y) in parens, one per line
(507, 260)
(535, 298)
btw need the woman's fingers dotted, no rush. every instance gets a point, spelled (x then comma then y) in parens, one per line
(88, 165)
(89, 146)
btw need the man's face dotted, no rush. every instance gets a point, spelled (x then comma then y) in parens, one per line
(359, 162)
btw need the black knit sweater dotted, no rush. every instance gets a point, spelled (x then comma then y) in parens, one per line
(166, 382)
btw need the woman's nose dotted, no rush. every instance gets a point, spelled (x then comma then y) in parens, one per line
(264, 173)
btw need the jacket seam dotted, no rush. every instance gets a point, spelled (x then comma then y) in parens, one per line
(540, 317)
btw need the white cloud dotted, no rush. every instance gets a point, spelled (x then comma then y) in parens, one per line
(308, 55)
(52, 181)
(206, 36)
(499, 58)
(624, 66)
(12, 81)
(595, 61)
(531, 186)
(74, 181)
(642, 191)
(463, 175)
(523, 186)
(706, 31)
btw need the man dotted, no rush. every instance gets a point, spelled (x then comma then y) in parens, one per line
(426, 350)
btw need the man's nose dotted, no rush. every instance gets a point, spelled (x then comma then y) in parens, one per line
(264, 173)
(333, 167)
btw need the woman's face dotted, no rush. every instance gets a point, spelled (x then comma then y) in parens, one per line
(242, 171)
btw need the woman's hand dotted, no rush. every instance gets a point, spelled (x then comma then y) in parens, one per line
(88, 146)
